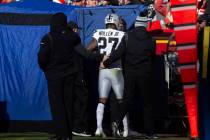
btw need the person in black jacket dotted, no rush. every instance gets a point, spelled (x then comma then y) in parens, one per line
(137, 49)
(81, 94)
(55, 58)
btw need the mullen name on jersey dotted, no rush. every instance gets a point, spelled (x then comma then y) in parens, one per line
(110, 33)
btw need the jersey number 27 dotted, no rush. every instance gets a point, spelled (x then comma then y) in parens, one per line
(103, 42)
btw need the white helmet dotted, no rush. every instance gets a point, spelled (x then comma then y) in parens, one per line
(112, 19)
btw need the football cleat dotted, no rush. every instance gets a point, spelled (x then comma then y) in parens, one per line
(115, 130)
(100, 133)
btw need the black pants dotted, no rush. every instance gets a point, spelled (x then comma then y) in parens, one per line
(114, 106)
(60, 94)
(80, 104)
(132, 115)
(143, 86)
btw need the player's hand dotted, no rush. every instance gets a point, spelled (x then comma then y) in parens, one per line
(102, 62)
(105, 58)
(101, 66)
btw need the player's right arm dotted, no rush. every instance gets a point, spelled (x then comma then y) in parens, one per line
(117, 54)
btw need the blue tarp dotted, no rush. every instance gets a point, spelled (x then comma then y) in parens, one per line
(93, 18)
(34, 6)
(23, 86)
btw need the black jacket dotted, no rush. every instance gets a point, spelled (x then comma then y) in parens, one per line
(137, 50)
(57, 50)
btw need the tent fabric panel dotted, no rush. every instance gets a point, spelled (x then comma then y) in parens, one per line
(22, 84)
(93, 18)
(35, 6)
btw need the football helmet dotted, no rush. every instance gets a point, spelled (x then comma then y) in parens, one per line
(112, 19)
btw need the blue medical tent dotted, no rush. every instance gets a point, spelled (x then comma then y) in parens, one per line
(23, 88)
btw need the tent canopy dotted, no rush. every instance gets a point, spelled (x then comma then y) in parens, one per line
(35, 6)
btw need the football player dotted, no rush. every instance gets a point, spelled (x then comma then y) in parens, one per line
(107, 40)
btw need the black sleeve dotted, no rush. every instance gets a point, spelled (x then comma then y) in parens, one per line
(151, 45)
(77, 39)
(87, 54)
(116, 54)
(44, 53)
(151, 48)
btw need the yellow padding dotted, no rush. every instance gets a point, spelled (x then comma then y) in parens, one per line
(166, 41)
(205, 50)
(172, 43)
(161, 41)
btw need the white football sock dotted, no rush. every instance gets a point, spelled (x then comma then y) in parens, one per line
(125, 123)
(99, 115)
(125, 126)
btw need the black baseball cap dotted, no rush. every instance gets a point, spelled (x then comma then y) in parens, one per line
(72, 25)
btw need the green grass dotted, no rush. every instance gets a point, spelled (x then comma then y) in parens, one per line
(45, 136)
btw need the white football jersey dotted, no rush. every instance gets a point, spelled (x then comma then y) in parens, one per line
(108, 40)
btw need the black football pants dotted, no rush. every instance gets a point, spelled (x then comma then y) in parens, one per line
(80, 104)
(143, 86)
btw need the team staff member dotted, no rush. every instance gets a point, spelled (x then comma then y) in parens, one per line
(138, 50)
(114, 106)
(55, 58)
(81, 94)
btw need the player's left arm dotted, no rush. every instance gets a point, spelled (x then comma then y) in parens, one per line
(87, 54)
(92, 45)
